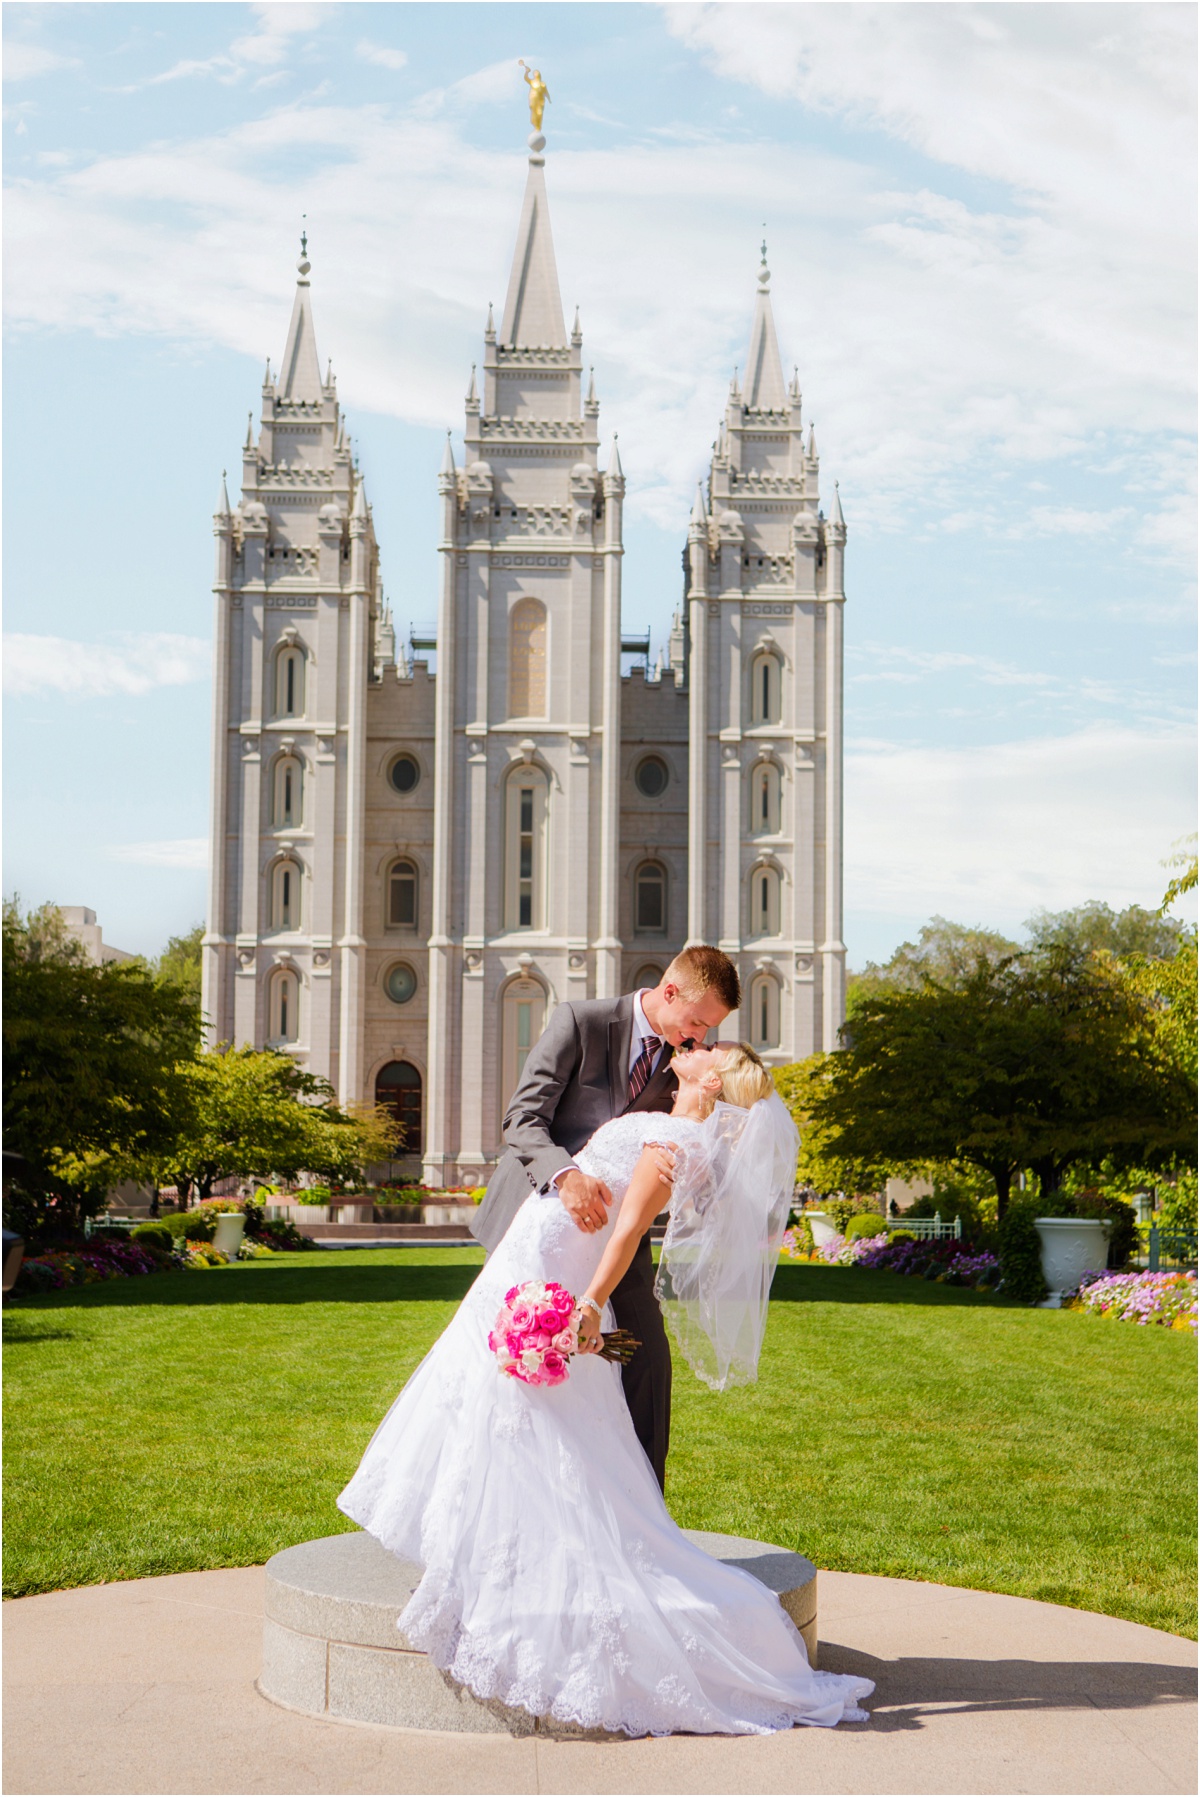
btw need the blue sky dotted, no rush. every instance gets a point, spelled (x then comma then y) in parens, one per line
(981, 227)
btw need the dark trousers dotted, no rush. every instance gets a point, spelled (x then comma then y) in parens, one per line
(647, 1378)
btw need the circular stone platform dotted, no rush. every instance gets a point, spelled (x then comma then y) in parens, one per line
(331, 1645)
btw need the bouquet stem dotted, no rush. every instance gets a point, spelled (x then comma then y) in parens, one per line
(618, 1345)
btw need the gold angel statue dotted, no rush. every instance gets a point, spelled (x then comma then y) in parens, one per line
(539, 93)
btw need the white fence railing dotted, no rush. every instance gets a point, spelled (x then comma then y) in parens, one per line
(928, 1229)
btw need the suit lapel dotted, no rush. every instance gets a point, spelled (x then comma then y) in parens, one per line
(620, 1035)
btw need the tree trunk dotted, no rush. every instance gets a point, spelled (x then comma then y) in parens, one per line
(1003, 1179)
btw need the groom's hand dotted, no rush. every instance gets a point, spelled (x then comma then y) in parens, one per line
(585, 1199)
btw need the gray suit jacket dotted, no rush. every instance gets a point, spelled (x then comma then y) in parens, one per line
(576, 1078)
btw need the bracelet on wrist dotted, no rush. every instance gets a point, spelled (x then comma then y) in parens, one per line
(591, 1304)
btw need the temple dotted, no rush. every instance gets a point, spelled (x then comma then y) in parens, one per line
(410, 867)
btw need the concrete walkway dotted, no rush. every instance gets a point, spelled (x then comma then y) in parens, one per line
(149, 1687)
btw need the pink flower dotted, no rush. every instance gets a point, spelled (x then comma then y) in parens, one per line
(554, 1366)
(510, 1294)
(521, 1316)
(564, 1341)
(547, 1318)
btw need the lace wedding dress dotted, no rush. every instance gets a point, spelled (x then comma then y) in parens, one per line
(554, 1578)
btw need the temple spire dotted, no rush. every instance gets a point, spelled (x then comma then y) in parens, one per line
(533, 314)
(300, 374)
(765, 390)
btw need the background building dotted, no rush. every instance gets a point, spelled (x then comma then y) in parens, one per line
(408, 870)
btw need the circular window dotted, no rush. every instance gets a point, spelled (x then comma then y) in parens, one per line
(404, 773)
(651, 777)
(400, 983)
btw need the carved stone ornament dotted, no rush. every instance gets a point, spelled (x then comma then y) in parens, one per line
(577, 961)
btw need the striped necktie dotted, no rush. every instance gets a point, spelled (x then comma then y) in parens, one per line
(639, 1073)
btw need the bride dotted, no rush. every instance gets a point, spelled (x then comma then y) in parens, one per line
(554, 1578)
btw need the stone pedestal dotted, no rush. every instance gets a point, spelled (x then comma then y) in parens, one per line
(331, 1646)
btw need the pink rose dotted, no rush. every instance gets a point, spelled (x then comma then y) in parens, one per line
(548, 1318)
(564, 1341)
(522, 1316)
(564, 1302)
(554, 1367)
(510, 1294)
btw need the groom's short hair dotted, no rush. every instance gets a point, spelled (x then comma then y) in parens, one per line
(701, 969)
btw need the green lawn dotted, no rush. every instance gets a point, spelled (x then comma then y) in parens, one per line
(208, 1419)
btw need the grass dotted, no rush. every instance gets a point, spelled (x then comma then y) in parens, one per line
(208, 1419)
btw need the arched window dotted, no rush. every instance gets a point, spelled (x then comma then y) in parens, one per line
(402, 896)
(524, 1017)
(764, 799)
(764, 902)
(289, 683)
(646, 976)
(650, 899)
(525, 850)
(283, 1000)
(766, 689)
(285, 896)
(398, 1086)
(288, 809)
(764, 1012)
(527, 660)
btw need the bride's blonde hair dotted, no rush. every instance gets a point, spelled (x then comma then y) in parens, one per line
(744, 1078)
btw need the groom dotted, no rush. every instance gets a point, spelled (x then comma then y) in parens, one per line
(596, 1059)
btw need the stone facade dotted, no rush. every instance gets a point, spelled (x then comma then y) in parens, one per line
(410, 868)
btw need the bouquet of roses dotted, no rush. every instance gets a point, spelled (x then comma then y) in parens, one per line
(537, 1331)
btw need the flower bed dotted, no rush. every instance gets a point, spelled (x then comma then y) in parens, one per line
(944, 1261)
(1165, 1298)
(57, 1268)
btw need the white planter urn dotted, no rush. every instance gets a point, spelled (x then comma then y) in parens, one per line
(824, 1229)
(1071, 1247)
(229, 1233)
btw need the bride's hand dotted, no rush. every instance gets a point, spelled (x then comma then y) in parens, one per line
(589, 1331)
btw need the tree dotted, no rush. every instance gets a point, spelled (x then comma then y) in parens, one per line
(818, 1165)
(1097, 926)
(180, 962)
(1025, 1062)
(943, 951)
(92, 1059)
(248, 1111)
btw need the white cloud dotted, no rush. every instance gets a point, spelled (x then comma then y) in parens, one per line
(186, 851)
(380, 54)
(990, 833)
(939, 339)
(279, 22)
(24, 61)
(133, 664)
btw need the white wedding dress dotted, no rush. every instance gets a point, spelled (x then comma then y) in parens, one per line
(554, 1578)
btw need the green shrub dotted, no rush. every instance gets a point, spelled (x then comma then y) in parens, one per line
(197, 1227)
(1177, 1201)
(1021, 1252)
(313, 1195)
(900, 1235)
(153, 1235)
(840, 1210)
(277, 1232)
(866, 1223)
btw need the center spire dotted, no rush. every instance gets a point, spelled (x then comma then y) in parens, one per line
(533, 314)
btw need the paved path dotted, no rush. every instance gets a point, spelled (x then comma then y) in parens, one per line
(149, 1687)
